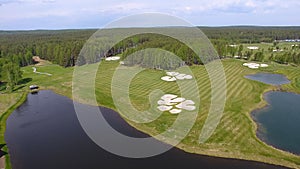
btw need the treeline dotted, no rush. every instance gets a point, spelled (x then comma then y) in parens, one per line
(284, 57)
(280, 54)
(10, 74)
(63, 47)
(251, 34)
(60, 47)
(178, 54)
(101, 46)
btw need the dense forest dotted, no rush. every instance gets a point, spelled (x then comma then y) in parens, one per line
(56, 46)
(63, 47)
(251, 34)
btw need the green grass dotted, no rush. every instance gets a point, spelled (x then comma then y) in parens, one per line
(60, 81)
(3, 119)
(235, 135)
(285, 46)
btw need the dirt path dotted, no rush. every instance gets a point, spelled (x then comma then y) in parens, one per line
(2, 162)
(34, 71)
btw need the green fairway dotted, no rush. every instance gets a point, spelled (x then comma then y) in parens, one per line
(235, 135)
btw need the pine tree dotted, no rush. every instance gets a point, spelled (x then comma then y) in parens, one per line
(11, 73)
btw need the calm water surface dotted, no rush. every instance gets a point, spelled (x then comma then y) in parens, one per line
(268, 78)
(44, 133)
(279, 123)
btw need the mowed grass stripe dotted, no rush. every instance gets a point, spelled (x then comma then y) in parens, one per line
(234, 137)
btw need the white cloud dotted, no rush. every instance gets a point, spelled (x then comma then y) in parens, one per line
(77, 11)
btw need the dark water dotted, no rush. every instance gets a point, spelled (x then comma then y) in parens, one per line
(268, 78)
(44, 133)
(279, 123)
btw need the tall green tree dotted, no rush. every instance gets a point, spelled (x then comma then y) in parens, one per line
(241, 48)
(11, 73)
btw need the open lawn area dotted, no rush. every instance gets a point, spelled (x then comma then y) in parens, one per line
(235, 135)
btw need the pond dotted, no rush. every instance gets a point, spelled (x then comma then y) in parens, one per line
(279, 123)
(268, 78)
(45, 133)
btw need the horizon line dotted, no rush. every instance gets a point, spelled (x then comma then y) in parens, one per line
(204, 26)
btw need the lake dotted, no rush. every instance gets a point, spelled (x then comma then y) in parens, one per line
(268, 78)
(44, 133)
(279, 123)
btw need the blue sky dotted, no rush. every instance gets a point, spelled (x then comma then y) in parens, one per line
(62, 14)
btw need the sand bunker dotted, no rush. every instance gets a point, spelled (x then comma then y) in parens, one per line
(173, 76)
(113, 58)
(187, 105)
(175, 104)
(175, 111)
(253, 47)
(168, 97)
(172, 73)
(264, 65)
(255, 65)
(168, 79)
(164, 108)
(177, 100)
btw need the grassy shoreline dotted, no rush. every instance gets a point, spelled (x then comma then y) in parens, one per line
(188, 150)
(3, 119)
(61, 80)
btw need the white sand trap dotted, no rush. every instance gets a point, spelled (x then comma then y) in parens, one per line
(168, 79)
(165, 102)
(172, 73)
(170, 101)
(253, 47)
(113, 58)
(264, 65)
(188, 77)
(180, 76)
(168, 97)
(253, 67)
(251, 64)
(175, 111)
(164, 108)
(173, 76)
(186, 105)
(183, 77)
(177, 100)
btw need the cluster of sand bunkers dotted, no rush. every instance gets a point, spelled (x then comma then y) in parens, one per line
(113, 58)
(255, 65)
(175, 104)
(173, 76)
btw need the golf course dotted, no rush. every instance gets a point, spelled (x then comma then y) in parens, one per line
(234, 137)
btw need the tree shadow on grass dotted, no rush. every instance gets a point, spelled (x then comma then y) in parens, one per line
(24, 81)
(21, 84)
(18, 88)
(2, 86)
